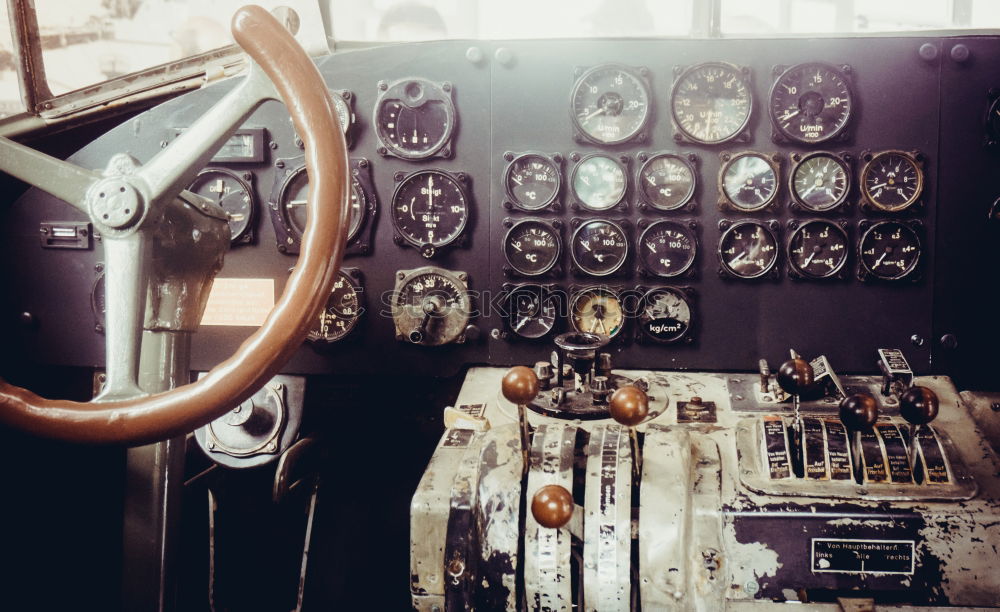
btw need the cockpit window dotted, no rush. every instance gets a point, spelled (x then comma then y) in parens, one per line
(10, 93)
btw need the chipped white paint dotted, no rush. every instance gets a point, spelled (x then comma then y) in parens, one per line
(499, 503)
(607, 523)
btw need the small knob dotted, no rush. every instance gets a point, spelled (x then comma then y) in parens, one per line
(795, 376)
(552, 506)
(543, 370)
(603, 365)
(629, 405)
(858, 412)
(918, 405)
(519, 385)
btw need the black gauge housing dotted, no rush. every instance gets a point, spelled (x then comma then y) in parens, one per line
(666, 315)
(892, 181)
(890, 251)
(235, 194)
(749, 181)
(599, 247)
(817, 249)
(599, 182)
(820, 182)
(532, 181)
(430, 209)
(748, 249)
(811, 103)
(532, 310)
(711, 103)
(342, 311)
(666, 181)
(415, 119)
(532, 247)
(598, 310)
(667, 248)
(611, 104)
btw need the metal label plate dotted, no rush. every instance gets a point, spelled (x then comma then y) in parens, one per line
(848, 556)
(458, 438)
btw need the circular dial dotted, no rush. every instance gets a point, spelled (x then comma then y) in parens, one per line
(749, 182)
(343, 110)
(599, 182)
(532, 311)
(429, 207)
(711, 102)
(666, 182)
(598, 311)
(665, 315)
(341, 313)
(748, 249)
(414, 119)
(610, 104)
(532, 181)
(599, 247)
(820, 181)
(294, 197)
(890, 250)
(231, 193)
(532, 247)
(667, 248)
(430, 307)
(817, 249)
(892, 181)
(811, 103)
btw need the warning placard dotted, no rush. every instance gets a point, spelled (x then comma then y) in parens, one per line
(239, 302)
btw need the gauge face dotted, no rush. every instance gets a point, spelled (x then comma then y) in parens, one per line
(343, 110)
(610, 104)
(599, 182)
(667, 248)
(665, 315)
(294, 200)
(890, 250)
(532, 247)
(414, 119)
(359, 204)
(748, 249)
(599, 247)
(232, 194)
(532, 181)
(430, 306)
(711, 103)
(749, 182)
(341, 313)
(811, 103)
(820, 182)
(532, 311)
(666, 182)
(818, 249)
(892, 181)
(429, 208)
(598, 311)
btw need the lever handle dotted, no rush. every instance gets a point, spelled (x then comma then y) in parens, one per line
(858, 412)
(520, 385)
(552, 506)
(918, 405)
(795, 376)
(629, 405)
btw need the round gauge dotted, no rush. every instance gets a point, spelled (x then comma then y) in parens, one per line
(817, 249)
(811, 103)
(890, 250)
(665, 315)
(532, 311)
(598, 311)
(430, 306)
(667, 248)
(820, 181)
(599, 182)
(293, 199)
(343, 110)
(429, 209)
(599, 247)
(532, 181)
(711, 102)
(532, 247)
(232, 194)
(341, 313)
(666, 182)
(414, 119)
(892, 181)
(359, 205)
(749, 181)
(610, 104)
(748, 249)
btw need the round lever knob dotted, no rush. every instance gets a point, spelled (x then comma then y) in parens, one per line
(795, 376)
(552, 506)
(629, 405)
(858, 412)
(918, 405)
(519, 385)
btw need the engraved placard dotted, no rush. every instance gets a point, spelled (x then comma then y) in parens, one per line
(895, 452)
(776, 447)
(935, 466)
(873, 457)
(815, 450)
(837, 445)
(843, 556)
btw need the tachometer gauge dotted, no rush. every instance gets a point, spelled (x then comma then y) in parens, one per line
(532, 247)
(414, 119)
(597, 310)
(340, 314)
(817, 249)
(610, 104)
(892, 181)
(599, 182)
(820, 181)
(889, 250)
(748, 181)
(665, 315)
(532, 181)
(667, 248)
(431, 306)
(234, 195)
(711, 103)
(429, 210)
(748, 249)
(811, 103)
(599, 247)
(532, 310)
(666, 182)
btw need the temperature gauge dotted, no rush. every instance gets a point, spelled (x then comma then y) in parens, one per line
(667, 248)
(748, 249)
(610, 104)
(532, 310)
(415, 118)
(892, 181)
(532, 181)
(532, 247)
(599, 247)
(665, 315)
(817, 249)
(666, 182)
(599, 182)
(889, 250)
(340, 314)
(748, 181)
(819, 181)
(234, 195)
(597, 310)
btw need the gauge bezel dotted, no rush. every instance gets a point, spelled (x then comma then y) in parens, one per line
(553, 226)
(553, 203)
(687, 294)
(458, 279)
(689, 228)
(550, 291)
(577, 292)
(354, 278)
(688, 161)
(620, 224)
(621, 162)
(742, 134)
(780, 135)
(641, 75)
(246, 235)
(915, 158)
(795, 227)
(348, 98)
(913, 274)
(841, 159)
(429, 250)
(430, 91)
(728, 159)
(772, 227)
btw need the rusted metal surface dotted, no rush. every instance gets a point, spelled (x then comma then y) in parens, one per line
(607, 521)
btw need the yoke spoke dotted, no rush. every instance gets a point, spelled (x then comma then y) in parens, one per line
(64, 180)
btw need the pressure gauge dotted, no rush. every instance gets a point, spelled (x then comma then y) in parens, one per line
(666, 181)
(340, 314)
(599, 247)
(415, 119)
(711, 103)
(599, 182)
(748, 181)
(811, 103)
(431, 306)
(892, 181)
(234, 195)
(817, 249)
(532, 247)
(532, 310)
(820, 181)
(665, 315)
(748, 249)
(890, 250)
(610, 104)
(430, 209)
(597, 310)
(667, 248)
(532, 181)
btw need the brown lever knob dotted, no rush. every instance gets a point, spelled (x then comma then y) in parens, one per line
(629, 405)
(552, 506)
(918, 405)
(858, 412)
(520, 385)
(795, 376)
